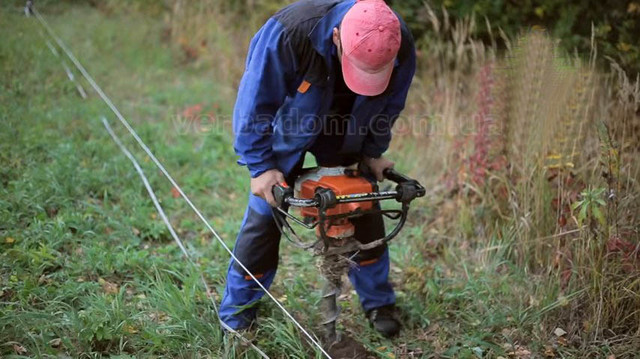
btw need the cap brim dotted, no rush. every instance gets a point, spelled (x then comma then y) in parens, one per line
(364, 82)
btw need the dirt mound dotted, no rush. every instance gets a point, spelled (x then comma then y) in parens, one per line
(348, 348)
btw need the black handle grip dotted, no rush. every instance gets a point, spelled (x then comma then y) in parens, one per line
(395, 176)
(408, 188)
(281, 193)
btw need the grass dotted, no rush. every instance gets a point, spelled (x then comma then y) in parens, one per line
(88, 269)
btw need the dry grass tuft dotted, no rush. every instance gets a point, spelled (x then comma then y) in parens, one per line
(515, 141)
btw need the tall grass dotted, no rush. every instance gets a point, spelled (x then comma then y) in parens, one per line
(215, 34)
(517, 145)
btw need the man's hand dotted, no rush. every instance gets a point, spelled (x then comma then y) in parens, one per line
(378, 165)
(262, 185)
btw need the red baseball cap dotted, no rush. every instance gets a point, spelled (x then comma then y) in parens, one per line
(370, 36)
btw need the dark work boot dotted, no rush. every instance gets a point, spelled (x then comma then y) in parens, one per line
(385, 320)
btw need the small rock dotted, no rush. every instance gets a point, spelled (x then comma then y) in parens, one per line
(55, 342)
(19, 349)
(559, 332)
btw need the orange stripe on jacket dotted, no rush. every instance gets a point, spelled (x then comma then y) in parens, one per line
(368, 261)
(304, 86)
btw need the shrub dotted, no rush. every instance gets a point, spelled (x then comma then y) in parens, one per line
(614, 25)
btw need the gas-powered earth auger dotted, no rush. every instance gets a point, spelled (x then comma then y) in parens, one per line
(327, 199)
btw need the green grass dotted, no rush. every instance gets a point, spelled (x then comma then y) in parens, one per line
(87, 269)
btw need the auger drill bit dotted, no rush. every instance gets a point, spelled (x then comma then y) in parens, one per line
(333, 267)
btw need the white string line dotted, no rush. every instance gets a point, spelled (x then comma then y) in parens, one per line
(67, 70)
(160, 210)
(153, 198)
(126, 124)
(155, 201)
(166, 221)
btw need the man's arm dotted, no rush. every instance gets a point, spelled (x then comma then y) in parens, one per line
(269, 70)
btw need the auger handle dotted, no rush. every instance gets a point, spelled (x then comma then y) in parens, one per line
(281, 192)
(395, 176)
(407, 189)
(283, 195)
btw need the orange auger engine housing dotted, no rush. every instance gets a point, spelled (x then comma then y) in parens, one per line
(328, 197)
(342, 182)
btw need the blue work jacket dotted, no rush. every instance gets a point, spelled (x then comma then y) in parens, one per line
(287, 89)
